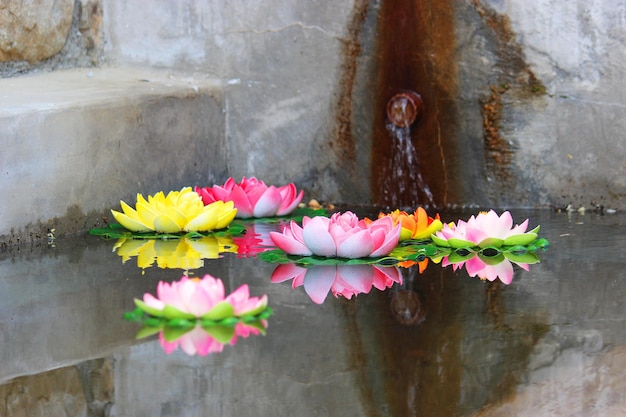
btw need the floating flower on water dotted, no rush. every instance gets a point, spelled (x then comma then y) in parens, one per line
(203, 341)
(200, 298)
(342, 280)
(179, 211)
(184, 253)
(342, 235)
(253, 198)
(417, 226)
(485, 229)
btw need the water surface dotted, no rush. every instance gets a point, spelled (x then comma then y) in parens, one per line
(553, 342)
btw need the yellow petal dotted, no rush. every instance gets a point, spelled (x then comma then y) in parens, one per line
(204, 222)
(165, 224)
(129, 211)
(130, 223)
(226, 218)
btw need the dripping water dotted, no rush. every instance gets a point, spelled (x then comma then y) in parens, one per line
(403, 174)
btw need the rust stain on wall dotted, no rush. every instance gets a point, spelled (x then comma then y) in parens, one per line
(515, 81)
(416, 46)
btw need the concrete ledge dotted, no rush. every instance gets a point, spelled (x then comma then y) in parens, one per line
(73, 143)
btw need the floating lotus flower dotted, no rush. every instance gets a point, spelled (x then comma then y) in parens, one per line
(253, 198)
(179, 211)
(192, 298)
(487, 229)
(342, 280)
(342, 235)
(181, 253)
(417, 226)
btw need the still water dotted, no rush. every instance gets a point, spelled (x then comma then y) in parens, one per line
(553, 342)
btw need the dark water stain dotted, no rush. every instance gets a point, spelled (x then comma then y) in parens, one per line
(415, 51)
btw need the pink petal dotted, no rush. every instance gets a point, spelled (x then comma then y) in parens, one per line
(359, 278)
(289, 244)
(391, 241)
(268, 203)
(290, 200)
(317, 237)
(318, 281)
(284, 272)
(242, 203)
(358, 245)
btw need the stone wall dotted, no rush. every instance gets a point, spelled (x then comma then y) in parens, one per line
(535, 116)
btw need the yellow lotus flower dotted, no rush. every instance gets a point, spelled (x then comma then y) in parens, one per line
(182, 253)
(418, 226)
(179, 211)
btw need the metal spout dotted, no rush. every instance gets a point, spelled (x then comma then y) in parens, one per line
(404, 108)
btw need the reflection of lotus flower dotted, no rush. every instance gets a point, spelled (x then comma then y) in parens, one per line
(418, 226)
(174, 253)
(200, 298)
(342, 280)
(253, 198)
(255, 240)
(202, 341)
(341, 235)
(178, 211)
(485, 229)
(487, 267)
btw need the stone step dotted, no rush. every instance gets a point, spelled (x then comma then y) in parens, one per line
(75, 142)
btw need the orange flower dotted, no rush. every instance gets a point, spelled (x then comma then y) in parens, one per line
(418, 226)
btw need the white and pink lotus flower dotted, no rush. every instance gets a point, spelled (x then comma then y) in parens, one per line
(342, 235)
(253, 198)
(192, 298)
(486, 229)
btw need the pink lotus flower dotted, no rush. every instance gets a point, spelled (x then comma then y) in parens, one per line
(342, 235)
(487, 268)
(485, 229)
(200, 298)
(253, 198)
(342, 280)
(202, 341)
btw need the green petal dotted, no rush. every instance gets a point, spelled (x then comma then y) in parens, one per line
(440, 242)
(222, 334)
(492, 260)
(220, 311)
(491, 241)
(458, 255)
(172, 333)
(172, 312)
(522, 258)
(147, 309)
(522, 239)
(460, 243)
(147, 331)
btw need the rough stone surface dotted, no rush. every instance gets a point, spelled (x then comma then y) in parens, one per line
(33, 30)
(74, 143)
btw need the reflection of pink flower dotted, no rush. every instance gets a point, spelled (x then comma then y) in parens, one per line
(485, 229)
(199, 341)
(194, 297)
(253, 198)
(342, 235)
(342, 280)
(255, 240)
(500, 268)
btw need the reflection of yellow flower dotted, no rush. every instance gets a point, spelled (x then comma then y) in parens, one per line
(416, 226)
(178, 211)
(175, 253)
